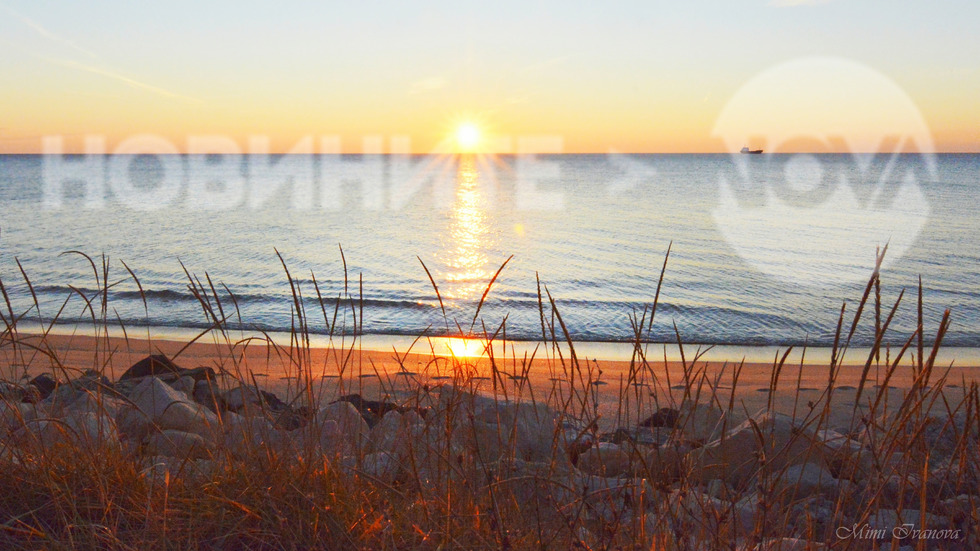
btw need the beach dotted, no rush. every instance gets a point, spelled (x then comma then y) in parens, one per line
(399, 375)
(236, 442)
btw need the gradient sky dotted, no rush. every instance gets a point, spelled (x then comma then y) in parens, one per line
(633, 76)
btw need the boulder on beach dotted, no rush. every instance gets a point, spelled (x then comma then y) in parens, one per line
(389, 435)
(158, 406)
(735, 456)
(243, 435)
(663, 465)
(175, 443)
(525, 430)
(13, 392)
(605, 459)
(707, 515)
(700, 422)
(44, 384)
(206, 393)
(185, 384)
(639, 436)
(245, 397)
(806, 479)
(382, 466)
(161, 366)
(79, 429)
(342, 427)
(374, 410)
(14, 415)
(664, 417)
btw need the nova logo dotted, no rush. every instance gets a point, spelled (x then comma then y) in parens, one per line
(817, 219)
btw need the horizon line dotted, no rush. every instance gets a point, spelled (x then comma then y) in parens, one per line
(511, 154)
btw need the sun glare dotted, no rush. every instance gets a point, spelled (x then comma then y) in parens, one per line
(464, 348)
(467, 137)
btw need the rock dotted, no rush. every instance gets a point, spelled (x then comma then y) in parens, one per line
(293, 418)
(524, 430)
(87, 430)
(605, 459)
(44, 384)
(159, 406)
(640, 436)
(413, 417)
(238, 398)
(719, 490)
(19, 393)
(388, 435)
(959, 509)
(663, 465)
(161, 366)
(745, 510)
(204, 394)
(64, 394)
(664, 417)
(90, 381)
(157, 364)
(86, 401)
(373, 410)
(93, 429)
(248, 397)
(890, 519)
(174, 443)
(802, 480)
(705, 513)
(14, 415)
(844, 456)
(350, 428)
(735, 456)
(185, 384)
(382, 466)
(609, 499)
(244, 435)
(700, 422)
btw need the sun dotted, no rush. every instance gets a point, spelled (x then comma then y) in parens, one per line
(467, 137)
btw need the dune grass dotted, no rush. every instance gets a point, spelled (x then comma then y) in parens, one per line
(515, 465)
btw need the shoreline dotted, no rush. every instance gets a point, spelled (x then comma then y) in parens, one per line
(816, 355)
(398, 374)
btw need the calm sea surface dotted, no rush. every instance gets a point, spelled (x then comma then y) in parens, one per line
(593, 228)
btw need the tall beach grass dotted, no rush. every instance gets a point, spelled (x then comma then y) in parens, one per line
(540, 450)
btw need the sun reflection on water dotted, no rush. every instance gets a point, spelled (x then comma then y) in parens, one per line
(467, 263)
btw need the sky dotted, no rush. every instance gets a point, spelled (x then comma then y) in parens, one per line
(645, 76)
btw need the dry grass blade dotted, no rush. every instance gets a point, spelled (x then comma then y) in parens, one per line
(436, 289)
(487, 291)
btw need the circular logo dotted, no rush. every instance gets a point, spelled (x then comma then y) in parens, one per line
(819, 216)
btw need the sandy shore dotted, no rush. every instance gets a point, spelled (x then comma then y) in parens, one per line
(398, 374)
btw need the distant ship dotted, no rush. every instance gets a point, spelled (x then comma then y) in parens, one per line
(751, 151)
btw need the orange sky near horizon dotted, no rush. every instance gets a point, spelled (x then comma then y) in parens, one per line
(638, 78)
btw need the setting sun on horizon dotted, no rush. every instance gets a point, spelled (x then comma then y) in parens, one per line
(468, 137)
(634, 78)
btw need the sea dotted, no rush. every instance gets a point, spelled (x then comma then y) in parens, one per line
(764, 250)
